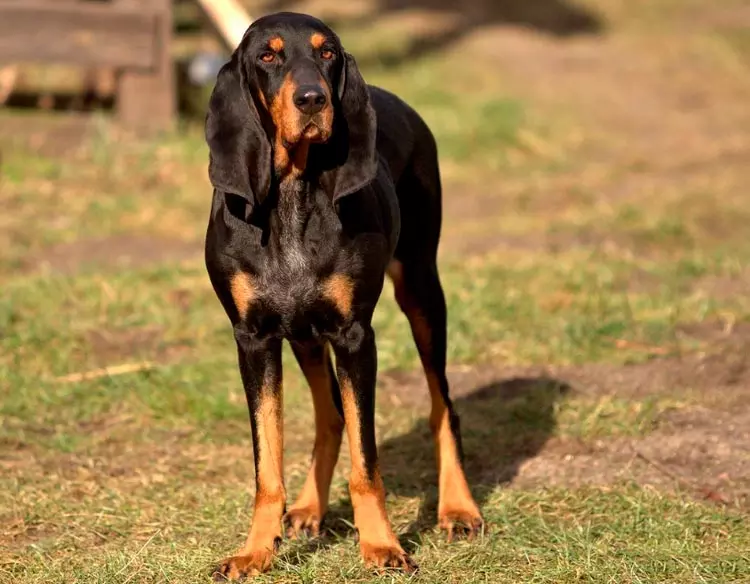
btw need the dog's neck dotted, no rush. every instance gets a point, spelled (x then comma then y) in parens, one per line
(294, 203)
(290, 160)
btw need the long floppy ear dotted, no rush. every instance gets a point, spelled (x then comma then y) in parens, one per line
(240, 153)
(356, 124)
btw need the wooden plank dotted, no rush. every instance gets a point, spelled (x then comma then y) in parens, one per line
(147, 100)
(87, 33)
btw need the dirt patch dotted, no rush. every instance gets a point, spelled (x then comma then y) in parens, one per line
(112, 346)
(702, 447)
(702, 451)
(111, 253)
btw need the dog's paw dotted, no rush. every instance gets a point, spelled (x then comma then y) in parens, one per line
(242, 565)
(302, 521)
(458, 523)
(386, 557)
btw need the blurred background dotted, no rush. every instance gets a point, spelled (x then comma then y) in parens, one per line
(595, 157)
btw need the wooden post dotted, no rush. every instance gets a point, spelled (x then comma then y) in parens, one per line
(146, 100)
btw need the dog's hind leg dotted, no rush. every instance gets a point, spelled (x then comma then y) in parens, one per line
(420, 295)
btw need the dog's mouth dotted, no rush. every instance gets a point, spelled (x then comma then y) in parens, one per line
(311, 132)
(314, 132)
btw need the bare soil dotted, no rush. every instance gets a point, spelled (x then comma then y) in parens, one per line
(702, 446)
(112, 253)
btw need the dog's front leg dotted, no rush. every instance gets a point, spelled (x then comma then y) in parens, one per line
(356, 360)
(260, 366)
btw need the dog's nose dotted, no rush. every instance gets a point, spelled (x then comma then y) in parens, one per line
(309, 99)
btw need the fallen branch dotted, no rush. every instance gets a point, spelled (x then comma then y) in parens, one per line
(138, 553)
(706, 493)
(109, 371)
(625, 344)
(664, 470)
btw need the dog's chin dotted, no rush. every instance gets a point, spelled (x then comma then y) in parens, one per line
(311, 133)
(315, 134)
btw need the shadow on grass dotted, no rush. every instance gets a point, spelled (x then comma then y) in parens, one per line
(503, 423)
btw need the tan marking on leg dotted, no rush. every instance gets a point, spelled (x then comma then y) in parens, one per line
(312, 503)
(256, 555)
(456, 504)
(276, 44)
(270, 433)
(243, 292)
(377, 542)
(317, 40)
(339, 289)
(271, 495)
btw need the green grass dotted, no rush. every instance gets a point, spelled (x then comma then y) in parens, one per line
(628, 535)
(155, 466)
(591, 266)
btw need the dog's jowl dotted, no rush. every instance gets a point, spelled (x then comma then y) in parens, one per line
(322, 186)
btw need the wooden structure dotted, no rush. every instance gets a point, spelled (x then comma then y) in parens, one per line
(131, 37)
(228, 18)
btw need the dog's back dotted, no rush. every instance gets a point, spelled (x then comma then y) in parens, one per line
(408, 146)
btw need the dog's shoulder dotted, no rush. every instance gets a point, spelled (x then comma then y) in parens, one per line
(395, 116)
(401, 131)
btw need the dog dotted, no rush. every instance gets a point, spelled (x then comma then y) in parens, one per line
(322, 185)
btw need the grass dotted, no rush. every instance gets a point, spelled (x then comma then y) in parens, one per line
(546, 536)
(581, 264)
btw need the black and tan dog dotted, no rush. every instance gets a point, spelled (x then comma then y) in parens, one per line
(322, 185)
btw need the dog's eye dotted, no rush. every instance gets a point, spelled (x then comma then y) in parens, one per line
(267, 57)
(326, 54)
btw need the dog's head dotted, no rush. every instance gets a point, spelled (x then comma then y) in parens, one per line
(290, 87)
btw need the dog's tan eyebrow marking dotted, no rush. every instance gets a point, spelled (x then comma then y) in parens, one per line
(276, 44)
(317, 40)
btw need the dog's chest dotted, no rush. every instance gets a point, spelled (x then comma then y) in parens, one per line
(304, 275)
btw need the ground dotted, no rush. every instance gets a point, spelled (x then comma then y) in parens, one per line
(595, 261)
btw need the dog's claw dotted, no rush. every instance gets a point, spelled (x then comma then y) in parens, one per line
(461, 524)
(388, 558)
(300, 522)
(245, 564)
